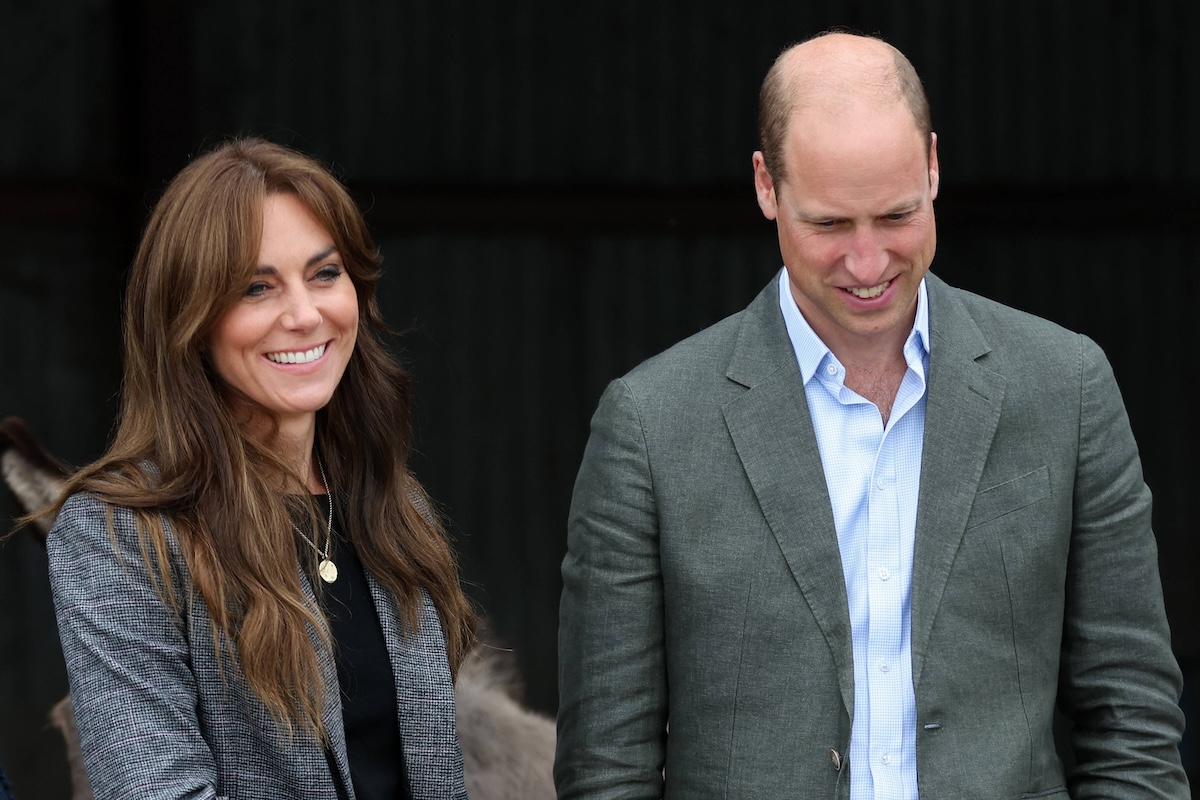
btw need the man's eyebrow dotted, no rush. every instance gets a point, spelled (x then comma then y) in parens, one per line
(910, 204)
(267, 269)
(808, 216)
(907, 205)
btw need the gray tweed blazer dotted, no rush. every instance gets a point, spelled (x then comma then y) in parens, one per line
(163, 714)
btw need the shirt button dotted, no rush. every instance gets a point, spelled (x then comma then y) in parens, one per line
(880, 483)
(884, 573)
(831, 369)
(886, 759)
(884, 666)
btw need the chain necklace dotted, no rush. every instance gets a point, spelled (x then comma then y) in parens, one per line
(325, 568)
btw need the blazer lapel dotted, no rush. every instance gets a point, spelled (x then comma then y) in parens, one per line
(424, 698)
(773, 435)
(331, 715)
(962, 409)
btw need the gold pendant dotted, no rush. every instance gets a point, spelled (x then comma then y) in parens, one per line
(327, 570)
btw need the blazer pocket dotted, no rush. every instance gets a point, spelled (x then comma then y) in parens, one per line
(1058, 791)
(1005, 498)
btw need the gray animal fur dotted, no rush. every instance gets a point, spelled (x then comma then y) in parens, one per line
(492, 724)
(508, 750)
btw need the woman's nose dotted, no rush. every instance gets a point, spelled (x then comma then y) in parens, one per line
(301, 312)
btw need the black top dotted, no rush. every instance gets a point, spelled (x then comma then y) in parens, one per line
(365, 675)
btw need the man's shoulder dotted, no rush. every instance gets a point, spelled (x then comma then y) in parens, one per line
(704, 350)
(995, 317)
(1027, 348)
(705, 358)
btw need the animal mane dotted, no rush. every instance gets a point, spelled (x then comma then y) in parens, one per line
(35, 477)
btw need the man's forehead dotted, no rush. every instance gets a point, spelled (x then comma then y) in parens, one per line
(842, 124)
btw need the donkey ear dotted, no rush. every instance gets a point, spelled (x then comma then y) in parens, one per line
(35, 477)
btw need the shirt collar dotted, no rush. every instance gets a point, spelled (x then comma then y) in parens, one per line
(811, 351)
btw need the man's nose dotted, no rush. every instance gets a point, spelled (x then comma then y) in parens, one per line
(867, 257)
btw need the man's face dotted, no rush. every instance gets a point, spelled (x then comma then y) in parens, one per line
(855, 221)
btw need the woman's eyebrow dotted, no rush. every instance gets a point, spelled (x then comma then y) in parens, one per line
(267, 269)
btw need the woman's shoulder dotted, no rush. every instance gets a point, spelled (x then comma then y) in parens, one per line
(85, 506)
(83, 513)
(89, 526)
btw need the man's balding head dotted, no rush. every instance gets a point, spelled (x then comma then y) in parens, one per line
(827, 73)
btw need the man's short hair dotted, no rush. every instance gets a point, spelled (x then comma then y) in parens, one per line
(778, 97)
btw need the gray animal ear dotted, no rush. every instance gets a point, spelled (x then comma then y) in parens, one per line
(35, 477)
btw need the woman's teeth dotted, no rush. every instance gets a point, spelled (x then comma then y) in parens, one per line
(298, 358)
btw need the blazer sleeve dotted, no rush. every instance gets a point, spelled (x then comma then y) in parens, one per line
(612, 715)
(1119, 681)
(127, 660)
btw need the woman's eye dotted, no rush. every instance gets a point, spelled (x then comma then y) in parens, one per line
(329, 273)
(257, 288)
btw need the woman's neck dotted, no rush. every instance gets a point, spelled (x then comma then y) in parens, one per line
(294, 444)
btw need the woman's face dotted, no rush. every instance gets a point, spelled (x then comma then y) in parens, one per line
(286, 342)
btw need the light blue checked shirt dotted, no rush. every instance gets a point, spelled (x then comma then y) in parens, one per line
(873, 473)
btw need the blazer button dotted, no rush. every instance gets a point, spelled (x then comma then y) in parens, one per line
(836, 758)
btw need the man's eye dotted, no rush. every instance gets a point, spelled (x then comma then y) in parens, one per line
(899, 216)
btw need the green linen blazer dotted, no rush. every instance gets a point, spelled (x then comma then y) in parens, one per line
(705, 644)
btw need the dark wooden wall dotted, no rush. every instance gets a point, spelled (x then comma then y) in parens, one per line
(560, 191)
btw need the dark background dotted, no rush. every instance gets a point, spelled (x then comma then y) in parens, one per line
(561, 190)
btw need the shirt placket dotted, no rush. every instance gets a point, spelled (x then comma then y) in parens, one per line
(885, 636)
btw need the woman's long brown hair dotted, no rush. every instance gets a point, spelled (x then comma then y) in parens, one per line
(181, 452)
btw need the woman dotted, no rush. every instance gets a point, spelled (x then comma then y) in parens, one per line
(253, 597)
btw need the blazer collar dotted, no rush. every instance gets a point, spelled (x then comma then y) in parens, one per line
(762, 348)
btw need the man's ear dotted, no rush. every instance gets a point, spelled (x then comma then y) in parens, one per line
(764, 186)
(934, 173)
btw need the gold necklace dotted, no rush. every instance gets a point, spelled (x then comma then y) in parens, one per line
(325, 568)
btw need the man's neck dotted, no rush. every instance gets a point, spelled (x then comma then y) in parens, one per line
(875, 366)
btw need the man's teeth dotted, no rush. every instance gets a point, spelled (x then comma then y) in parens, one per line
(298, 358)
(867, 294)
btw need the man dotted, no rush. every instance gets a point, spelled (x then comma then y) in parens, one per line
(859, 539)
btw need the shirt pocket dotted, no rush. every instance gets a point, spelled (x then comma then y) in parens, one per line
(1012, 495)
